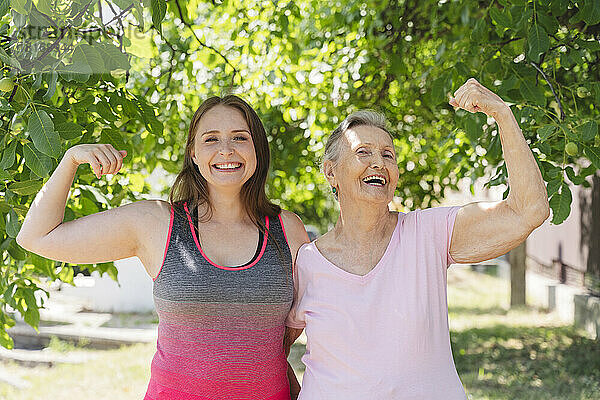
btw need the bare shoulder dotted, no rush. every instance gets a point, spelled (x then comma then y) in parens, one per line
(145, 216)
(152, 221)
(291, 221)
(153, 208)
(294, 231)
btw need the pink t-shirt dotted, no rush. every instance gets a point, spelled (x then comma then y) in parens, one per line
(383, 335)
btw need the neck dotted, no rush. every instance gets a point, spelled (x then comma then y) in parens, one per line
(227, 206)
(362, 223)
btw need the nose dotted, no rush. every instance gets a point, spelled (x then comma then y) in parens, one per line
(377, 161)
(226, 149)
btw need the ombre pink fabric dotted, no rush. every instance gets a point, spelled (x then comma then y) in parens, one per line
(220, 332)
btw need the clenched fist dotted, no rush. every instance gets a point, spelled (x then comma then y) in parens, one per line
(474, 97)
(103, 158)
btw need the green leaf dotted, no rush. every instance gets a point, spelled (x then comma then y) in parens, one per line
(553, 186)
(591, 12)
(5, 340)
(438, 94)
(532, 93)
(25, 188)
(138, 13)
(53, 78)
(41, 130)
(472, 128)
(4, 104)
(500, 18)
(32, 315)
(36, 161)
(159, 9)
(112, 56)
(8, 156)
(12, 224)
(123, 4)
(69, 130)
(559, 7)
(537, 42)
(45, 6)
(545, 132)
(4, 5)
(560, 203)
(43, 265)
(78, 71)
(588, 131)
(4, 207)
(9, 60)
(115, 138)
(23, 7)
(16, 251)
(66, 274)
(577, 180)
(593, 154)
(105, 111)
(85, 53)
(480, 31)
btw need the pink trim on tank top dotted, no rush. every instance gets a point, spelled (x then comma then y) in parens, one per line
(283, 229)
(262, 250)
(167, 245)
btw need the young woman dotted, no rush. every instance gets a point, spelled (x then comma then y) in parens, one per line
(220, 254)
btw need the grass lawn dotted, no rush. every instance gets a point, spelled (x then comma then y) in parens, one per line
(516, 354)
(499, 354)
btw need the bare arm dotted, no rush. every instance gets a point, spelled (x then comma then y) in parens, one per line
(106, 236)
(489, 229)
(294, 231)
(296, 236)
(291, 334)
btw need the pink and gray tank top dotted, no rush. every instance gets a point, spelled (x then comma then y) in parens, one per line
(220, 330)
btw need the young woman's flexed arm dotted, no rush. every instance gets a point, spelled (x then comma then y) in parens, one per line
(105, 236)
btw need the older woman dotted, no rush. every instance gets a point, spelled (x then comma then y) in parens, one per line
(371, 293)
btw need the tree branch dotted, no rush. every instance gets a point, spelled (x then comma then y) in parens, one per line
(63, 32)
(125, 11)
(187, 24)
(54, 45)
(506, 41)
(562, 113)
(100, 11)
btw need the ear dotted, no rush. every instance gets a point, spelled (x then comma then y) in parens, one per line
(328, 171)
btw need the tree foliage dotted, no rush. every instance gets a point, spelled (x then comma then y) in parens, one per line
(132, 73)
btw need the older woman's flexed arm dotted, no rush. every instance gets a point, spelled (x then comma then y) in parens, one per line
(487, 230)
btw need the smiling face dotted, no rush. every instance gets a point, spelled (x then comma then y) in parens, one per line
(366, 169)
(223, 148)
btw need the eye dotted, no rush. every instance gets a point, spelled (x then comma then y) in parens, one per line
(240, 138)
(388, 155)
(210, 139)
(363, 151)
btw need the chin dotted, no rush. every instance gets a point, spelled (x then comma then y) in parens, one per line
(377, 199)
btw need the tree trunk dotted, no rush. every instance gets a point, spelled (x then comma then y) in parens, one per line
(517, 274)
(593, 266)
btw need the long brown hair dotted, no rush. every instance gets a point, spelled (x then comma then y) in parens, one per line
(191, 186)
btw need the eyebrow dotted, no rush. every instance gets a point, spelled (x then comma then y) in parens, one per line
(387, 146)
(218, 131)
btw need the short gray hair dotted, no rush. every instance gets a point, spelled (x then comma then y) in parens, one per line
(361, 117)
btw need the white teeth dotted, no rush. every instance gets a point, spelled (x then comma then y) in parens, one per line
(375, 180)
(228, 166)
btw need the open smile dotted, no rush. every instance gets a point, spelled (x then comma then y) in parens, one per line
(375, 180)
(230, 166)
